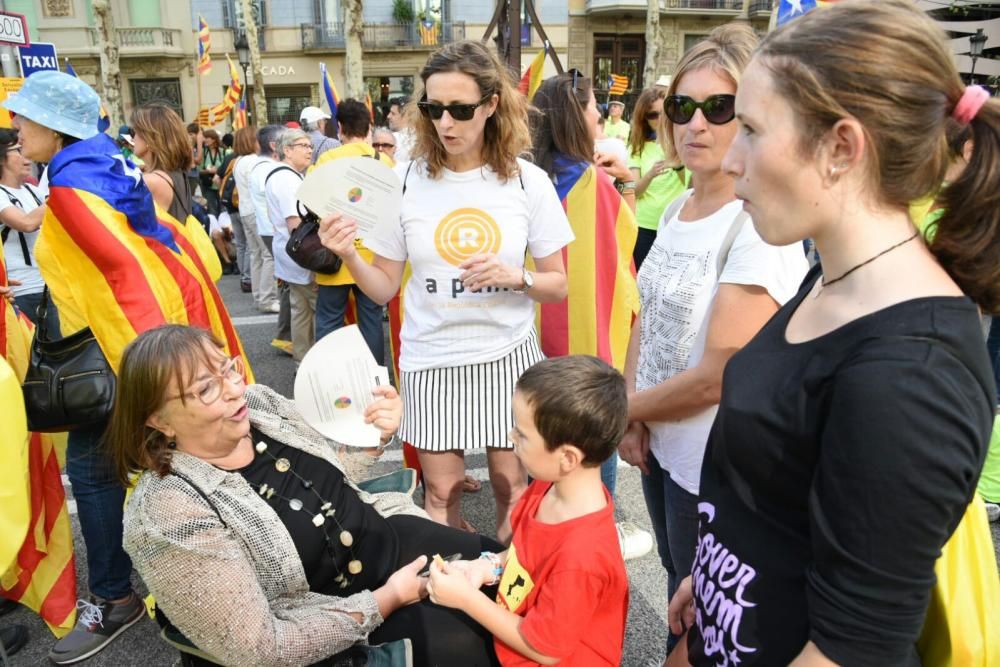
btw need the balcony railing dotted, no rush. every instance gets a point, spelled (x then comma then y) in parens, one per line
(159, 39)
(760, 6)
(383, 35)
(723, 5)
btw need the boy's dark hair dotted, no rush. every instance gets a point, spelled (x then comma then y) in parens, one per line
(354, 119)
(400, 102)
(227, 140)
(577, 400)
(193, 128)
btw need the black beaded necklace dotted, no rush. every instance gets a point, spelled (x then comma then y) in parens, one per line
(824, 283)
(325, 511)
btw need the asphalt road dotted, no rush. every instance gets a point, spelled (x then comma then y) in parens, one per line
(141, 645)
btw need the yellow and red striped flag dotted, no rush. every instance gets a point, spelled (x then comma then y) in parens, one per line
(204, 46)
(532, 78)
(396, 314)
(204, 117)
(240, 119)
(596, 317)
(368, 105)
(617, 84)
(121, 265)
(37, 567)
(428, 32)
(233, 93)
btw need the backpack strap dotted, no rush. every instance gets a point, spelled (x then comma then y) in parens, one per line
(727, 242)
(25, 250)
(281, 168)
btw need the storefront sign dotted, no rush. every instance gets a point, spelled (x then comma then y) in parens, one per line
(14, 29)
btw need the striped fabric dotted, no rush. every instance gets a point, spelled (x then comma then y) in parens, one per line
(596, 316)
(204, 46)
(205, 117)
(233, 93)
(329, 90)
(368, 105)
(428, 32)
(36, 541)
(617, 84)
(112, 264)
(464, 407)
(532, 78)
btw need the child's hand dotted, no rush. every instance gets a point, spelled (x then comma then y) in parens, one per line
(476, 572)
(448, 586)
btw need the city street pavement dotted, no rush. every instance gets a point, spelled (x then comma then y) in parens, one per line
(141, 645)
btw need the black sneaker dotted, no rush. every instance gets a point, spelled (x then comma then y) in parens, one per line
(98, 623)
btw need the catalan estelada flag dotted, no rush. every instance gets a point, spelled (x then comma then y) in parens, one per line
(789, 9)
(104, 122)
(617, 84)
(428, 32)
(329, 90)
(396, 315)
(116, 263)
(36, 541)
(596, 317)
(204, 46)
(532, 77)
(240, 120)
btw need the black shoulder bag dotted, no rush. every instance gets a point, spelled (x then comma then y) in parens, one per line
(69, 384)
(304, 246)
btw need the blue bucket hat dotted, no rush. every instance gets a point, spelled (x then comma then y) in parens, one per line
(59, 102)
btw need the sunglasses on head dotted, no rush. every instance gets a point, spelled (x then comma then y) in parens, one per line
(718, 109)
(434, 111)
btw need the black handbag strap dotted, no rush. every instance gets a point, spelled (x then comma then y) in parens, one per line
(25, 251)
(42, 328)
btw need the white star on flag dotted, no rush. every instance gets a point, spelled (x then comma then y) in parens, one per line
(796, 7)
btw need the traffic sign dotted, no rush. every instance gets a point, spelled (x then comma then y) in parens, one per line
(14, 29)
(37, 57)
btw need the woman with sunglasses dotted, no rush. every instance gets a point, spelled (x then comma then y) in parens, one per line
(21, 213)
(472, 211)
(657, 181)
(707, 286)
(854, 425)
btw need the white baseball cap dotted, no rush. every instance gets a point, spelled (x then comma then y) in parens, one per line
(312, 114)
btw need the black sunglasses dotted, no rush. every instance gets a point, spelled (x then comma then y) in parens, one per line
(434, 111)
(718, 109)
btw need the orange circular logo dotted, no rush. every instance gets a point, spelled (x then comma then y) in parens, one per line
(466, 232)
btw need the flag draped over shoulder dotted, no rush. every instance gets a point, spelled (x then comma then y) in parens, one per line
(329, 90)
(789, 9)
(112, 264)
(596, 317)
(37, 567)
(204, 46)
(532, 78)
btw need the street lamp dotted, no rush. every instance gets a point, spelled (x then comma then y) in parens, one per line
(243, 56)
(976, 43)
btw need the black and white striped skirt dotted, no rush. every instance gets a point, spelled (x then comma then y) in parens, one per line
(464, 407)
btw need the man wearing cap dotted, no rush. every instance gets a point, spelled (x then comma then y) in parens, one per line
(313, 120)
(616, 128)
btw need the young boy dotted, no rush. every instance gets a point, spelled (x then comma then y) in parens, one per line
(563, 591)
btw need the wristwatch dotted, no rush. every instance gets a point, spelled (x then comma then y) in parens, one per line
(528, 278)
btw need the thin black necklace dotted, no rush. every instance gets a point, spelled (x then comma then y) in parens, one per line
(824, 283)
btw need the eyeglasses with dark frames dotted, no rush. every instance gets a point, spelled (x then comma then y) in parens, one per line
(717, 109)
(460, 112)
(380, 146)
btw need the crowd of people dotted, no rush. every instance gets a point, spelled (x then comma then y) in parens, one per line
(578, 285)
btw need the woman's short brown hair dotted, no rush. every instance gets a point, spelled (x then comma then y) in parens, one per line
(149, 363)
(163, 131)
(245, 141)
(727, 51)
(505, 136)
(887, 65)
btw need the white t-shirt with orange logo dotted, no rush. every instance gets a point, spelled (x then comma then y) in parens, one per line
(447, 220)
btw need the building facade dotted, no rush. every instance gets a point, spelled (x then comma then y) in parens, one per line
(158, 44)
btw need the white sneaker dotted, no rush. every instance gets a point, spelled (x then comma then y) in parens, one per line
(275, 307)
(634, 541)
(993, 512)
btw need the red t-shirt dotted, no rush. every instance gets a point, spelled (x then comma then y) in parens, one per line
(568, 581)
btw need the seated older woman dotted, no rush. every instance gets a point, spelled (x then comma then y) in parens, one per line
(245, 528)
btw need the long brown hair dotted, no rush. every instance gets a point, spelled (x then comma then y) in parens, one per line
(245, 140)
(163, 131)
(639, 134)
(559, 123)
(505, 136)
(887, 65)
(726, 50)
(149, 363)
